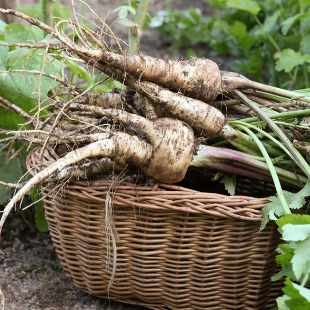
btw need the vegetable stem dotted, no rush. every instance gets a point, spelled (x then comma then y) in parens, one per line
(294, 152)
(272, 171)
(139, 20)
(47, 12)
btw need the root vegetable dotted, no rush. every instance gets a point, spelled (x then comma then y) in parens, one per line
(172, 143)
(198, 78)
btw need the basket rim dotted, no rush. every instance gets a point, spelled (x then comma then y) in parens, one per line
(174, 198)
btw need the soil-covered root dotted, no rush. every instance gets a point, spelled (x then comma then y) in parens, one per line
(166, 158)
(198, 78)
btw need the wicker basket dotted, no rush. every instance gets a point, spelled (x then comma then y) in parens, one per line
(176, 248)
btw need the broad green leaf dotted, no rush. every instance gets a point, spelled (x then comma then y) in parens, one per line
(126, 23)
(299, 296)
(21, 88)
(10, 172)
(271, 21)
(133, 3)
(230, 184)
(301, 259)
(239, 32)
(79, 71)
(304, 292)
(35, 11)
(281, 302)
(2, 25)
(22, 34)
(119, 85)
(288, 60)
(250, 6)
(284, 248)
(124, 10)
(286, 25)
(285, 261)
(295, 219)
(40, 219)
(272, 209)
(298, 200)
(305, 44)
(304, 25)
(292, 232)
(61, 11)
(195, 13)
(217, 3)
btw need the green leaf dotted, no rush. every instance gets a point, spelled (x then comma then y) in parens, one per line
(22, 34)
(229, 183)
(79, 71)
(60, 11)
(271, 21)
(305, 44)
(288, 60)
(2, 25)
(10, 172)
(294, 219)
(272, 209)
(250, 6)
(301, 259)
(281, 302)
(22, 88)
(298, 200)
(35, 11)
(239, 32)
(296, 232)
(124, 10)
(40, 219)
(126, 23)
(217, 4)
(285, 261)
(304, 25)
(299, 296)
(286, 25)
(283, 248)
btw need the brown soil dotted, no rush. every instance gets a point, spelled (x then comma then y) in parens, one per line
(30, 274)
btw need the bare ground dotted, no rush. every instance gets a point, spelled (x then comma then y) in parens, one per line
(32, 277)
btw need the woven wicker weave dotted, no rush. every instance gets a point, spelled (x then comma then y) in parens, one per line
(176, 248)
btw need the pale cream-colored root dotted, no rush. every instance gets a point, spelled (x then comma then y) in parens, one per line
(131, 146)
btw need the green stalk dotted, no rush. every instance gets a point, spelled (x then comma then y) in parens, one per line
(272, 170)
(265, 95)
(294, 152)
(268, 135)
(290, 114)
(273, 42)
(277, 91)
(240, 124)
(47, 12)
(139, 21)
(239, 140)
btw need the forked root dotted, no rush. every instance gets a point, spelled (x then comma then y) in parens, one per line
(171, 142)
